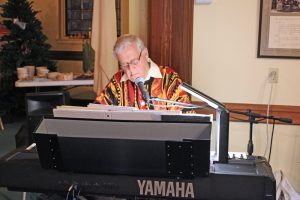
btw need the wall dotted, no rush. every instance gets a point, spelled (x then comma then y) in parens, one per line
(225, 67)
(138, 18)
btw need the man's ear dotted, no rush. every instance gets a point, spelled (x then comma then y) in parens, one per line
(146, 53)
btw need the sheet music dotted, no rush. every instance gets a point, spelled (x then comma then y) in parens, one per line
(111, 107)
(111, 112)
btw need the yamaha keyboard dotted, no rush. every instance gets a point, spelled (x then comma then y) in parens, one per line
(163, 155)
(21, 171)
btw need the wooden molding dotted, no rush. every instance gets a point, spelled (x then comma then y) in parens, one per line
(66, 55)
(279, 111)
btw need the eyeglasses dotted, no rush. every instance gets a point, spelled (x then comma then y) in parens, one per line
(134, 62)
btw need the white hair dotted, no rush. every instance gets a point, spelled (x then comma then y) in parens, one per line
(126, 40)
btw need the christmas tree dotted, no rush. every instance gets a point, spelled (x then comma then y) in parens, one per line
(23, 45)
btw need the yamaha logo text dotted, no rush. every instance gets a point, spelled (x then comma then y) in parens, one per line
(166, 188)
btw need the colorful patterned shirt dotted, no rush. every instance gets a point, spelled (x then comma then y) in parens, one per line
(161, 82)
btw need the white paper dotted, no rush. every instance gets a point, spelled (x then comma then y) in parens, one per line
(284, 32)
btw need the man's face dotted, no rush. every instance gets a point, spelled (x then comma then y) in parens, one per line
(133, 62)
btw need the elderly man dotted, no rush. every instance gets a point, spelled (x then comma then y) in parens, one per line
(136, 66)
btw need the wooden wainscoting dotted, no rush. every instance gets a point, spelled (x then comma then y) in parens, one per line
(279, 111)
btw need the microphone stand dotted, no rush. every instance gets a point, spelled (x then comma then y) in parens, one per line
(250, 145)
(252, 119)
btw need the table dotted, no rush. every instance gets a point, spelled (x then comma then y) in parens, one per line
(43, 82)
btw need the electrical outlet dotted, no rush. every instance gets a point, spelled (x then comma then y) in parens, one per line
(273, 75)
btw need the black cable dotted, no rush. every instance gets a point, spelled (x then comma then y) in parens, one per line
(270, 151)
(176, 103)
(240, 119)
(246, 120)
(204, 107)
(259, 120)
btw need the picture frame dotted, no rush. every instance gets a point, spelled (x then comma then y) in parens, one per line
(279, 29)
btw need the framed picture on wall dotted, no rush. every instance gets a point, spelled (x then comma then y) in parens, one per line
(279, 29)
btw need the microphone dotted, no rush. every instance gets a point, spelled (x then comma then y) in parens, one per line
(286, 120)
(139, 81)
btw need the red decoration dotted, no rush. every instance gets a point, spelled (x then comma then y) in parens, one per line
(4, 30)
